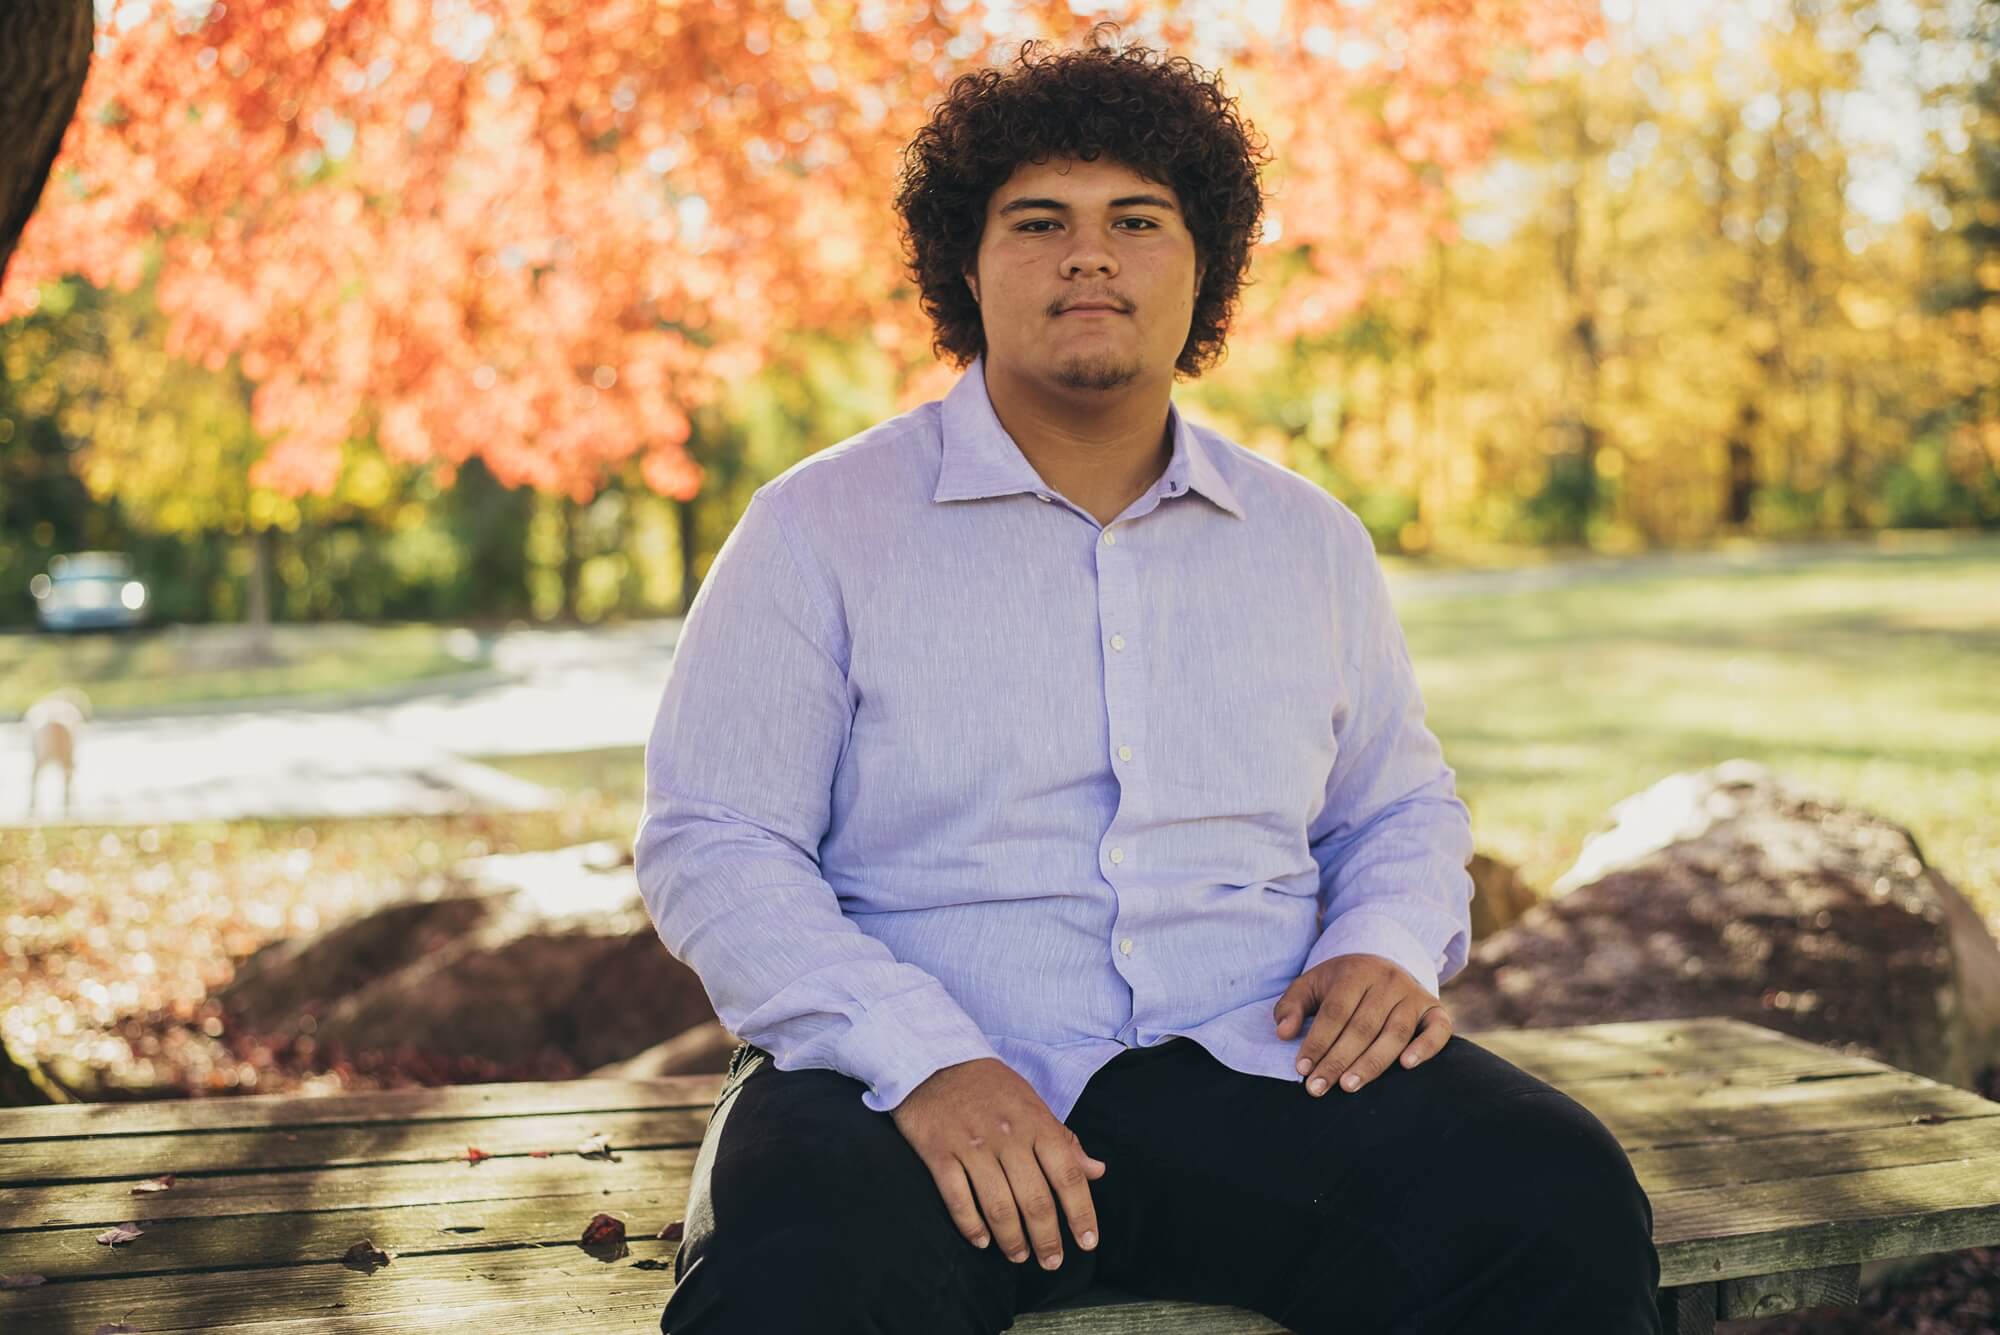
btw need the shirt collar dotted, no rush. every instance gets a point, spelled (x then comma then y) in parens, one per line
(981, 459)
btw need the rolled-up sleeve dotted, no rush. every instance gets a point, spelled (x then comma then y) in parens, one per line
(1393, 840)
(739, 777)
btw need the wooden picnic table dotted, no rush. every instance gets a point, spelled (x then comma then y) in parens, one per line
(1775, 1168)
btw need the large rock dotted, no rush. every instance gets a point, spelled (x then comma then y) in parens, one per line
(511, 956)
(1500, 895)
(1733, 891)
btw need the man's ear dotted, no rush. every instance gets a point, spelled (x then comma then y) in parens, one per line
(972, 284)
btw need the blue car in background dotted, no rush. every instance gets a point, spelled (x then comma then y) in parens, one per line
(89, 591)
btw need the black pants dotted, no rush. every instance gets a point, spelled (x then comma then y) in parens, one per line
(1462, 1195)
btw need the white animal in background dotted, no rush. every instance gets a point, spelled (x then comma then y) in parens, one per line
(54, 723)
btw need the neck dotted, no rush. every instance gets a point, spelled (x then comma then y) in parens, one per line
(1100, 448)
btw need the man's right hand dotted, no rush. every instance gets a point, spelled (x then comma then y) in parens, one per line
(980, 1121)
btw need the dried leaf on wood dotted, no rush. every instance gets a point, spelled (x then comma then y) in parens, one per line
(20, 1281)
(366, 1257)
(597, 1147)
(111, 1237)
(160, 1183)
(604, 1230)
(672, 1232)
(473, 1154)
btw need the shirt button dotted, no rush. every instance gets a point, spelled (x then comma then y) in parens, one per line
(1042, 496)
(1124, 753)
(1118, 643)
(1110, 538)
(1125, 946)
(1117, 855)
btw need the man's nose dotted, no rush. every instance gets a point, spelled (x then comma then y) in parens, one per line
(1089, 257)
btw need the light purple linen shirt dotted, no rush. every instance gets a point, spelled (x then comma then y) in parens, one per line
(946, 769)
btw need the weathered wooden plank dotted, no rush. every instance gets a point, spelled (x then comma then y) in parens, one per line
(1689, 1110)
(287, 1111)
(1142, 1316)
(77, 1204)
(425, 1293)
(561, 1287)
(205, 1244)
(1762, 1296)
(1810, 1154)
(1834, 1219)
(1565, 1056)
(51, 1161)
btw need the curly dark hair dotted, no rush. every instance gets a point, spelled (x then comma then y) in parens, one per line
(1166, 119)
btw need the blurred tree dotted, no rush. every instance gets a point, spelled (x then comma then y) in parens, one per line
(494, 228)
(44, 56)
(1954, 471)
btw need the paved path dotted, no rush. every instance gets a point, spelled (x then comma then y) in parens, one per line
(570, 690)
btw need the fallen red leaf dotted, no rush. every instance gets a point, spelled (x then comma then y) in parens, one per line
(365, 1256)
(672, 1232)
(538, 1154)
(473, 1154)
(111, 1237)
(20, 1281)
(160, 1183)
(603, 1231)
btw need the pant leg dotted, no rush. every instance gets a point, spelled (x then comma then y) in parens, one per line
(1464, 1195)
(809, 1211)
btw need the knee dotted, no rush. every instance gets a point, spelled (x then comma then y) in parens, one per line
(1568, 1177)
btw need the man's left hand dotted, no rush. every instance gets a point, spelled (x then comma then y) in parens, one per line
(1368, 1009)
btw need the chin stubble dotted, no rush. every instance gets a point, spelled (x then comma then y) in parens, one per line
(1095, 373)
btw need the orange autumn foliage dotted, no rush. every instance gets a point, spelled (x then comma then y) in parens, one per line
(544, 232)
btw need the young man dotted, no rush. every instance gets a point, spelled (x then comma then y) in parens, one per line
(1041, 791)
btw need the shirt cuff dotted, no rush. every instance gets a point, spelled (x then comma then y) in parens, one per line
(904, 1039)
(1359, 932)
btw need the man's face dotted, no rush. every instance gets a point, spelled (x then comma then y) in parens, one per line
(1069, 232)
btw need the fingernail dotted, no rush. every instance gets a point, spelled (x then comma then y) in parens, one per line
(1050, 1262)
(1021, 1255)
(1088, 1239)
(1304, 1066)
(981, 1240)
(1350, 1082)
(1318, 1086)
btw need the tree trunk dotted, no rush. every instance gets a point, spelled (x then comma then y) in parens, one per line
(44, 54)
(572, 558)
(690, 540)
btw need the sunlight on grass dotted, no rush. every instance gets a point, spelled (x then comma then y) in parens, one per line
(179, 665)
(1876, 678)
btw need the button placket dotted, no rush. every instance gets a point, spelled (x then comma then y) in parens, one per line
(1125, 677)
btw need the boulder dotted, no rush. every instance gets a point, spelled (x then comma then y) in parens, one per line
(1500, 897)
(508, 957)
(1734, 891)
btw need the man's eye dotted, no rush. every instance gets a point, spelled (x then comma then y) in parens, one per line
(1148, 221)
(1034, 223)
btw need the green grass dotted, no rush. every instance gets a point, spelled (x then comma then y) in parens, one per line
(180, 665)
(613, 778)
(1876, 677)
